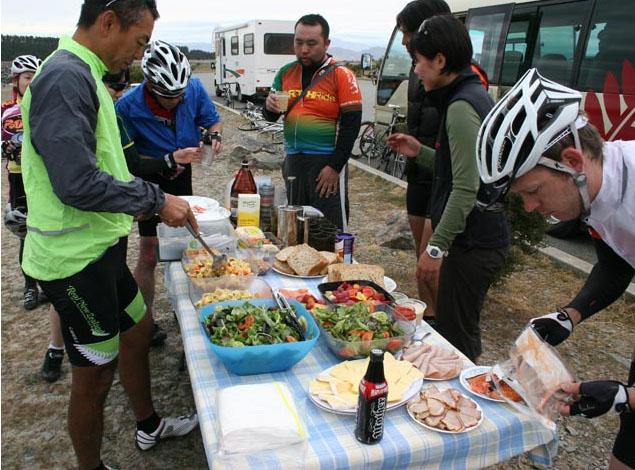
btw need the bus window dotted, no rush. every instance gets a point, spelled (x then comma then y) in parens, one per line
(395, 69)
(558, 37)
(279, 44)
(611, 42)
(234, 45)
(515, 61)
(487, 27)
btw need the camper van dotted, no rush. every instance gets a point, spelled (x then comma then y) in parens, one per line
(584, 44)
(249, 54)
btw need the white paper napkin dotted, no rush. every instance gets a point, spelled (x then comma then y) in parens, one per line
(258, 417)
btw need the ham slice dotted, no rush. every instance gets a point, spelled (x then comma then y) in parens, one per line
(436, 407)
(452, 421)
(445, 409)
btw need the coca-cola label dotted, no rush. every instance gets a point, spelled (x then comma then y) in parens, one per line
(372, 390)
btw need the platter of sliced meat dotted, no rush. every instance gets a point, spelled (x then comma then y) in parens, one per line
(445, 410)
(436, 362)
(480, 380)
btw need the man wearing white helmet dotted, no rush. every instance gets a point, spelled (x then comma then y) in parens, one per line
(162, 117)
(536, 143)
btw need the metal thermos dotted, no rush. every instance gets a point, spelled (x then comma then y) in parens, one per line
(288, 224)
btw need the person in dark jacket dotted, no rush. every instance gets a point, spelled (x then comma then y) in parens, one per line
(423, 123)
(468, 247)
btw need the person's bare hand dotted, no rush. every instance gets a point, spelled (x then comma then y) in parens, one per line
(188, 155)
(272, 103)
(428, 268)
(176, 212)
(404, 144)
(327, 182)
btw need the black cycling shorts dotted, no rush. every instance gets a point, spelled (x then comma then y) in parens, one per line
(417, 198)
(624, 447)
(180, 186)
(95, 305)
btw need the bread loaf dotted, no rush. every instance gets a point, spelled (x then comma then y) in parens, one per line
(306, 261)
(356, 272)
(283, 255)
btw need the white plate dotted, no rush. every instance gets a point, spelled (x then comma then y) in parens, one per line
(473, 372)
(410, 392)
(445, 430)
(295, 275)
(205, 208)
(388, 282)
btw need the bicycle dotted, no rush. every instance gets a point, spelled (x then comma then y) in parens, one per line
(373, 146)
(275, 130)
(226, 92)
(255, 119)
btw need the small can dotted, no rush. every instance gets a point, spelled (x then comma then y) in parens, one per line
(344, 246)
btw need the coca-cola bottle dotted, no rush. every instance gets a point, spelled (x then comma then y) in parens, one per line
(243, 184)
(372, 402)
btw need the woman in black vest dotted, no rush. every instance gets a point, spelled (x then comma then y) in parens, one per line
(423, 123)
(468, 247)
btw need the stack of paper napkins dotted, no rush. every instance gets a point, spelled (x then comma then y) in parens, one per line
(258, 417)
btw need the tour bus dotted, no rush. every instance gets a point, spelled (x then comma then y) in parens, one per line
(588, 45)
(249, 54)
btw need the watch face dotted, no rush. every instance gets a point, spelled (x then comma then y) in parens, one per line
(434, 253)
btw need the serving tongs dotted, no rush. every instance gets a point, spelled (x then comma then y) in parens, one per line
(218, 260)
(291, 318)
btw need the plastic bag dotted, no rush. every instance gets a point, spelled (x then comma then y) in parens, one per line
(535, 371)
(259, 421)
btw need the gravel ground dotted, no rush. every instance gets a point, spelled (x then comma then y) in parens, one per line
(34, 412)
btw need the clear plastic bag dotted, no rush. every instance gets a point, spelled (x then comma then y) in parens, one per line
(535, 371)
(262, 422)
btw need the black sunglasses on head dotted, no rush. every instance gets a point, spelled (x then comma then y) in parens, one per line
(150, 3)
(117, 86)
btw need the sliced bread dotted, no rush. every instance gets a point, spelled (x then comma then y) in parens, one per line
(283, 267)
(356, 272)
(306, 261)
(331, 257)
(283, 254)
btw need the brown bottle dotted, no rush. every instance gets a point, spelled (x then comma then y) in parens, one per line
(243, 184)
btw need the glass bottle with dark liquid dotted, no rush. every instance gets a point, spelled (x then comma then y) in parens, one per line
(243, 184)
(372, 402)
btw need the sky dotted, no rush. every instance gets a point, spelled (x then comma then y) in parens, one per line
(365, 22)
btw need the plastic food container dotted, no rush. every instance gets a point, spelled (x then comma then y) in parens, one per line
(331, 286)
(256, 286)
(360, 349)
(417, 305)
(218, 234)
(263, 359)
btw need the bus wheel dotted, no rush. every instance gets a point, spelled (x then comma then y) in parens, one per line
(218, 90)
(239, 94)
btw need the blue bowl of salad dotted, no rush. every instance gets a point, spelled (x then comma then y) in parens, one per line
(254, 337)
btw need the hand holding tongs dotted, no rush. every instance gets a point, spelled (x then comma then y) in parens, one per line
(291, 318)
(217, 259)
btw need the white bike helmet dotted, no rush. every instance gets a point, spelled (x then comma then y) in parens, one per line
(25, 63)
(166, 68)
(533, 116)
(15, 220)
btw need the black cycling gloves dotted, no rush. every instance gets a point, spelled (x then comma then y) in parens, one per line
(600, 397)
(554, 327)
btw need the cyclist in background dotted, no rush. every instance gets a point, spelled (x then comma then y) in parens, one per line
(22, 70)
(536, 143)
(423, 123)
(162, 117)
(468, 247)
(319, 132)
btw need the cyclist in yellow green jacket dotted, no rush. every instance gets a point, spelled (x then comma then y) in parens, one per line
(83, 201)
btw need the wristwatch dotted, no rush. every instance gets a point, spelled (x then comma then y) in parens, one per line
(169, 160)
(214, 135)
(435, 252)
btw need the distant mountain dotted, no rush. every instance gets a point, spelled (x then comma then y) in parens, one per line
(203, 46)
(341, 53)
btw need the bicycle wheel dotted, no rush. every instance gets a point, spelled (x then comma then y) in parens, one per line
(248, 126)
(398, 165)
(376, 156)
(366, 137)
(386, 159)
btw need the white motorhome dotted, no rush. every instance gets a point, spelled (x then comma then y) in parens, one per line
(249, 54)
